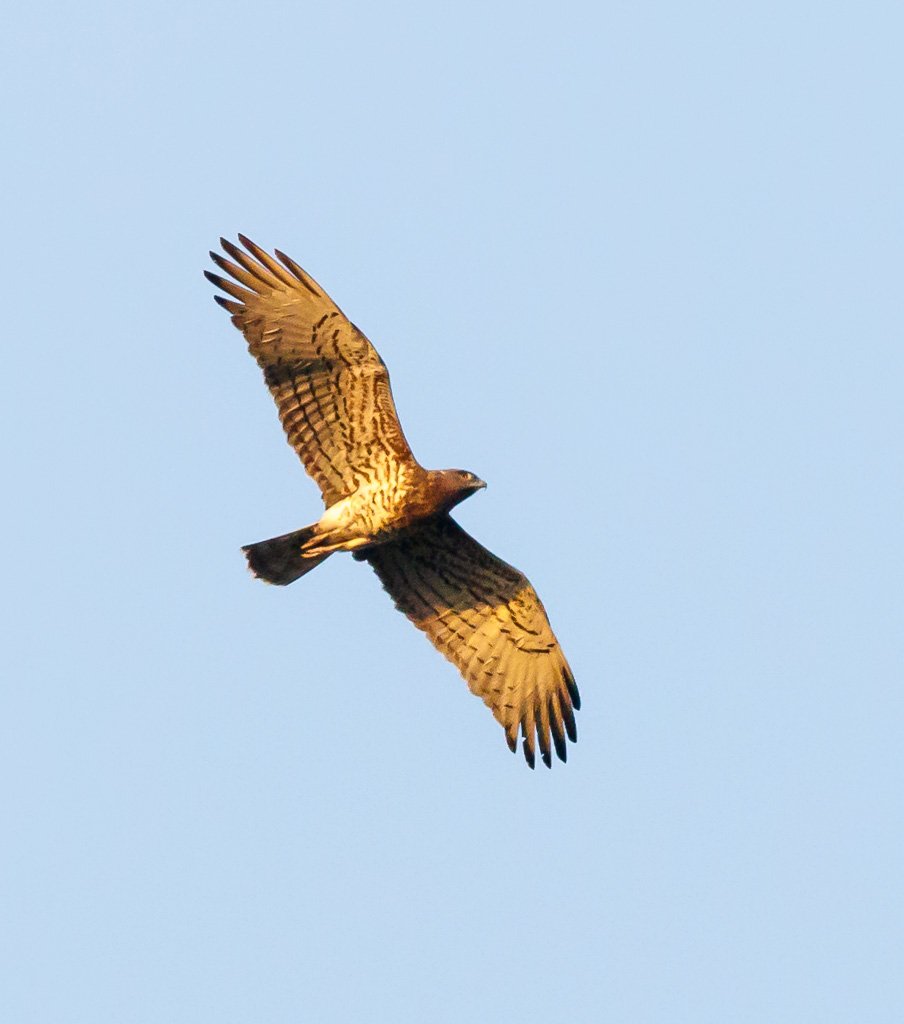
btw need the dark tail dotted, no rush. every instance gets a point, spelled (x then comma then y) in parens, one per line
(280, 560)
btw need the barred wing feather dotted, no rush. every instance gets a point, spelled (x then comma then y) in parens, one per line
(330, 385)
(486, 618)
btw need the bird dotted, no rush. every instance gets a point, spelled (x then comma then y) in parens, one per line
(334, 400)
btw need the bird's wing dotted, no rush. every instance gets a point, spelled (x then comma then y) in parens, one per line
(329, 383)
(486, 618)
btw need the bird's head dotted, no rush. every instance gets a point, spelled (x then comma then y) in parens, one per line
(458, 484)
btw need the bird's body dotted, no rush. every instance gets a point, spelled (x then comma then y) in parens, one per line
(381, 510)
(335, 403)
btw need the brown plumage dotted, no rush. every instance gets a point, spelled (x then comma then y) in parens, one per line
(335, 403)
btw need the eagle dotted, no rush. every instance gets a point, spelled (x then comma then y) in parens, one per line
(334, 400)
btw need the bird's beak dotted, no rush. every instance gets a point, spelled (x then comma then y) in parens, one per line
(479, 485)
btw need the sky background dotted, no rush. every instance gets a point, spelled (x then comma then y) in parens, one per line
(639, 266)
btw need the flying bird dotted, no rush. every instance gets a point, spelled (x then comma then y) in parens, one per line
(334, 400)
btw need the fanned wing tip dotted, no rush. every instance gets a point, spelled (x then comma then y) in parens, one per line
(547, 724)
(258, 271)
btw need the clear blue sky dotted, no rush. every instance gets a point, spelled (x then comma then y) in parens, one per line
(637, 265)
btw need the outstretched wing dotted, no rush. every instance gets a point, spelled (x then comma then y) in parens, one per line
(486, 618)
(330, 385)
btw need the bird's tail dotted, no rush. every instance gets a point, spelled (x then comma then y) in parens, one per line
(280, 560)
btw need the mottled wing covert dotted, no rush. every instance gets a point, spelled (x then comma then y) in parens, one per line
(486, 618)
(330, 385)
